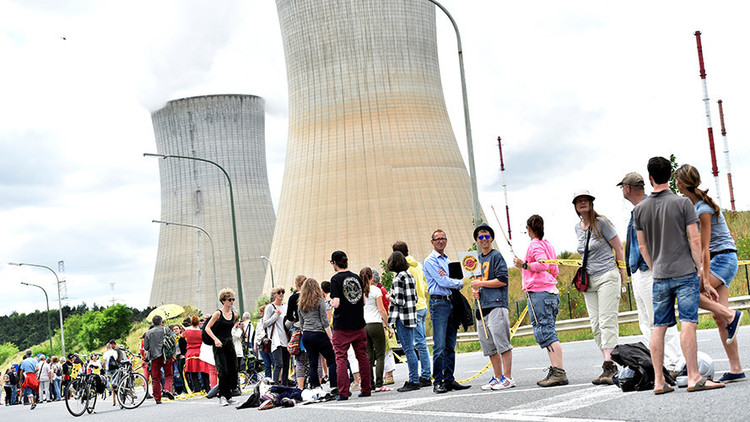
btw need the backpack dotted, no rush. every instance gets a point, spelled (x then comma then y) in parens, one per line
(204, 335)
(58, 370)
(168, 347)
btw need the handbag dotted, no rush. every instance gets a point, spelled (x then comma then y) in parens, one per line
(265, 343)
(204, 335)
(581, 278)
(294, 342)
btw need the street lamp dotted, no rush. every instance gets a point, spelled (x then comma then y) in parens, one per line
(59, 301)
(234, 220)
(469, 143)
(49, 330)
(263, 258)
(213, 251)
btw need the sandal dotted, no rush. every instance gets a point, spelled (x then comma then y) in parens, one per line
(664, 390)
(701, 386)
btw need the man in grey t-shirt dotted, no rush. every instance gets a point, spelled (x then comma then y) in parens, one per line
(661, 221)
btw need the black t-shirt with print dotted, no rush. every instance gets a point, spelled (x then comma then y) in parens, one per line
(350, 315)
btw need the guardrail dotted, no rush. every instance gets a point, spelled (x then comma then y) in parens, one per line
(738, 303)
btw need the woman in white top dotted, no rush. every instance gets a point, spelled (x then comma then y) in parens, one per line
(273, 321)
(376, 319)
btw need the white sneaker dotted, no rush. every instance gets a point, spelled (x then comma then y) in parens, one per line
(222, 402)
(505, 383)
(491, 385)
(230, 401)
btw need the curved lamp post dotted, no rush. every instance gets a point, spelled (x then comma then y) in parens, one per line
(213, 251)
(49, 330)
(469, 143)
(59, 301)
(234, 221)
(263, 258)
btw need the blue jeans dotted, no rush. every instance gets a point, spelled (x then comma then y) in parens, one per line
(444, 330)
(420, 344)
(406, 335)
(267, 362)
(57, 383)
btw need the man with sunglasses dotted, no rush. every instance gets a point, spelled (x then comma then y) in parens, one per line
(491, 290)
(444, 326)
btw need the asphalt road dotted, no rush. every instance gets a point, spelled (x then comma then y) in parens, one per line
(578, 401)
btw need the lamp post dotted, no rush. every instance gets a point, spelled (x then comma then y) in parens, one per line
(234, 220)
(263, 258)
(213, 251)
(49, 330)
(469, 143)
(59, 300)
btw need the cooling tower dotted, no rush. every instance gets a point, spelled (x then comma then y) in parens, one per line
(371, 155)
(228, 130)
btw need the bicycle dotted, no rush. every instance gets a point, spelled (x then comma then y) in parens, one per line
(130, 388)
(250, 375)
(84, 386)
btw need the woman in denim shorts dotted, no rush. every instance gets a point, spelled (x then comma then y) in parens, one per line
(543, 301)
(718, 265)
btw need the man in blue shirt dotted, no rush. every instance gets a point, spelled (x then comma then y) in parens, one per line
(30, 383)
(641, 278)
(444, 326)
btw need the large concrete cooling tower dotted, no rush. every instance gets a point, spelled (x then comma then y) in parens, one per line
(228, 130)
(371, 156)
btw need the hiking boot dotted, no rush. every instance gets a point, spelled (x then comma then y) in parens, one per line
(555, 376)
(608, 371)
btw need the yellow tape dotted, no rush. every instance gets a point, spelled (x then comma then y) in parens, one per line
(573, 262)
(744, 263)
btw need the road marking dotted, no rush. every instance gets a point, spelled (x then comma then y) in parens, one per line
(569, 401)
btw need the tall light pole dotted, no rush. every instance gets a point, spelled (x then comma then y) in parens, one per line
(469, 143)
(263, 258)
(213, 251)
(49, 330)
(234, 220)
(59, 301)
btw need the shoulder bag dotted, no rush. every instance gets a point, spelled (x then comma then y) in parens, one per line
(581, 278)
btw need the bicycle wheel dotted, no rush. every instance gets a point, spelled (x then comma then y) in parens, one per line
(92, 396)
(132, 390)
(243, 379)
(77, 399)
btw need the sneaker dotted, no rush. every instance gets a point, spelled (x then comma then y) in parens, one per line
(230, 401)
(730, 377)
(408, 386)
(33, 406)
(490, 385)
(504, 383)
(222, 401)
(732, 327)
(168, 394)
(555, 376)
(383, 389)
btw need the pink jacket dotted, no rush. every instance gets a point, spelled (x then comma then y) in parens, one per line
(540, 277)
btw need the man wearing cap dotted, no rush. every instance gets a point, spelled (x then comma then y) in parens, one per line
(348, 301)
(662, 222)
(640, 274)
(491, 290)
(444, 326)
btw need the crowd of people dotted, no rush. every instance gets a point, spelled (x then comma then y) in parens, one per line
(341, 331)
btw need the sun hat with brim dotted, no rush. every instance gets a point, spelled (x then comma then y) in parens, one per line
(582, 192)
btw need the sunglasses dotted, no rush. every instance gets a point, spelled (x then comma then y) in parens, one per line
(230, 300)
(483, 237)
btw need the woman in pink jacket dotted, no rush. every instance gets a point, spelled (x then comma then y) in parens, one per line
(543, 298)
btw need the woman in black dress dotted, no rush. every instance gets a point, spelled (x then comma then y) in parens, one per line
(220, 330)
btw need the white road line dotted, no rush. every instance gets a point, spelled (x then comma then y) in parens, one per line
(569, 401)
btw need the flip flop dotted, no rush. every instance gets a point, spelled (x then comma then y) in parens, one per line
(664, 390)
(701, 386)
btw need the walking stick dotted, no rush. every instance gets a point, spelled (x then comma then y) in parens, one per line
(481, 315)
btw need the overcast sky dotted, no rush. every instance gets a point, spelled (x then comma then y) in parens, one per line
(581, 92)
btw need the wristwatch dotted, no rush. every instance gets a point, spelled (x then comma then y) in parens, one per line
(525, 266)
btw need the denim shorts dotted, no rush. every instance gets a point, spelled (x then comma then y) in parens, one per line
(543, 307)
(724, 266)
(686, 289)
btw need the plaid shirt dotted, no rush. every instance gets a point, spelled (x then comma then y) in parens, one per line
(403, 300)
